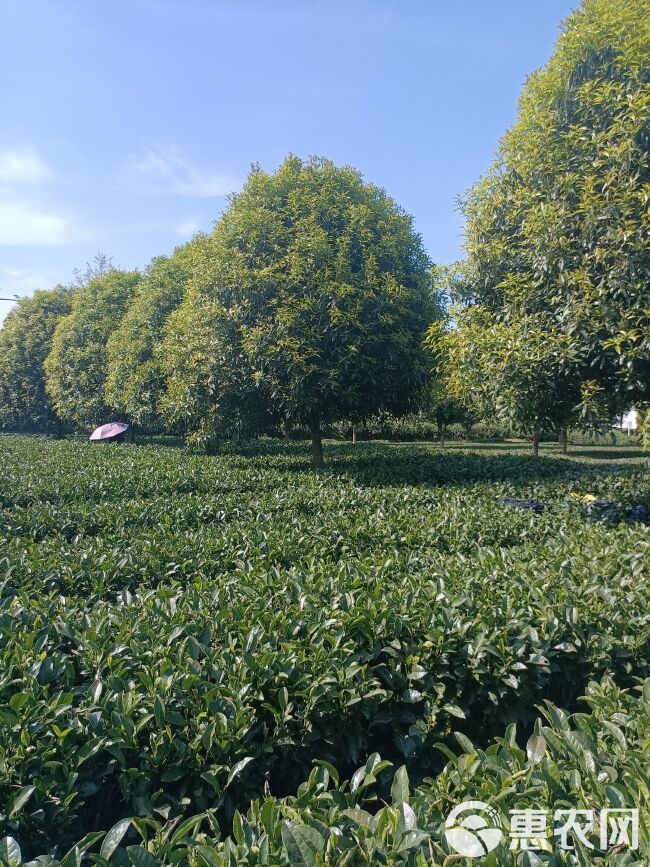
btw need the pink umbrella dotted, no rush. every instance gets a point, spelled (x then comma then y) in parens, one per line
(109, 431)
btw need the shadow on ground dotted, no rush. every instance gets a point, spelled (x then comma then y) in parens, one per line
(609, 454)
(388, 464)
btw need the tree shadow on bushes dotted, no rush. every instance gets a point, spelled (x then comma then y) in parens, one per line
(380, 463)
(618, 454)
(388, 464)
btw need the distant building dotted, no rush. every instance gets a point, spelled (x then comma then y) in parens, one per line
(630, 420)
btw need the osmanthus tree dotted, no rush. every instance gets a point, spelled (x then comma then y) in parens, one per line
(25, 341)
(516, 371)
(135, 382)
(76, 367)
(210, 390)
(440, 404)
(558, 231)
(319, 295)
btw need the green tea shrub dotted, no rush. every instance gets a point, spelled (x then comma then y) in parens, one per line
(178, 632)
(587, 762)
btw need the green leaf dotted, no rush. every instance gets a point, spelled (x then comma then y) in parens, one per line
(536, 748)
(558, 717)
(400, 789)
(139, 857)
(114, 838)
(443, 748)
(454, 710)
(19, 800)
(10, 854)
(86, 842)
(615, 797)
(159, 712)
(467, 746)
(411, 839)
(360, 817)
(407, 818)
(303, 843)
(187, 826)
(72, 858)
(208, 856)
(646, 690)
(334, 774)
(238, 768)
(238, 827)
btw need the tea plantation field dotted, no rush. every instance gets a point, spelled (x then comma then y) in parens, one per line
(185, 639)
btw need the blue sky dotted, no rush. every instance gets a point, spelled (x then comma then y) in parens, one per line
(126, 123)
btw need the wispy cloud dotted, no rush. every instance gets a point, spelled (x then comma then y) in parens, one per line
(167, 169)
(19, 281)
(23, 221)
(21, 224)
(22, 166)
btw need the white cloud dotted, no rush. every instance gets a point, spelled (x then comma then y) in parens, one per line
(22, 166)
(187, 228)
(166, 169)
(22, 224)
(20, 281)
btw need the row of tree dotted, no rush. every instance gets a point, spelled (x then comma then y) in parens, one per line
(310, 300)
(308, 303)
(552, 305)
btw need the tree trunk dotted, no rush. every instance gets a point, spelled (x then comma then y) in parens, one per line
(563, 439)
(316, 442)
(441, 434)
(132, 433)
(354, 434)
(59, 429)
(536, 436)
(286, 428)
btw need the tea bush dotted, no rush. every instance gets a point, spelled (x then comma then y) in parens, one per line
(179, 632)
(591, 762)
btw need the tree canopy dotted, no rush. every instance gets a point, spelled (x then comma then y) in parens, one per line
(76, 367)
(323, 288)
(135, 382)
(25, 341)
(556, 286)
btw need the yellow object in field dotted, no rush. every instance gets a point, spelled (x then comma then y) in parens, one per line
(586, 498)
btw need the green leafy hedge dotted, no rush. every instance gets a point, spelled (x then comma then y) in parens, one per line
(178, 632)
(590, 761)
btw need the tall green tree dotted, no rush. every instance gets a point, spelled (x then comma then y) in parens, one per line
(516, 371)
(76, 367)
(442, 405)
(324, 289)
(25, 341)
(558, 232)
(136, 381)
(210, 389)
